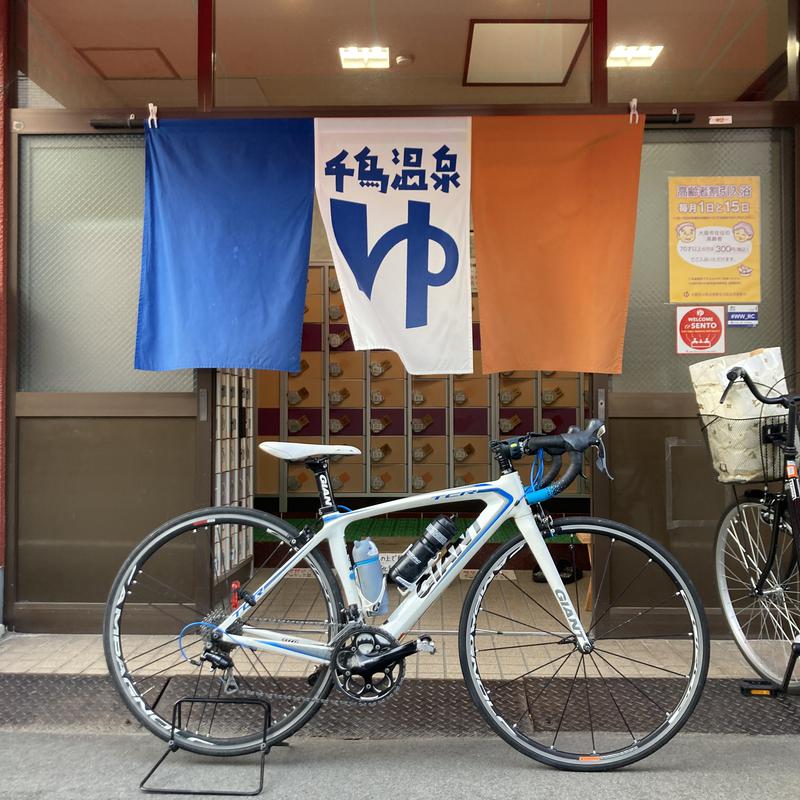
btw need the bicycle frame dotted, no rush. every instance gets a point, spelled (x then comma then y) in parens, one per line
(504, 498)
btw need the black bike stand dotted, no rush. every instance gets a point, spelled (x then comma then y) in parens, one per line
(757, 688)
(172, 746)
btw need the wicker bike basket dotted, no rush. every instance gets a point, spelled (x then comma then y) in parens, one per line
(745, 450)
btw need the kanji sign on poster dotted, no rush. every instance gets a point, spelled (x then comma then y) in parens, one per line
(714, 240)
(700, 329)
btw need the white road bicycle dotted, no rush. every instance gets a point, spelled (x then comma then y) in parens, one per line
(591, 675)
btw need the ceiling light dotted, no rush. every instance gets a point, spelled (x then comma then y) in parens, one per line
(364, 57)
(638, 55)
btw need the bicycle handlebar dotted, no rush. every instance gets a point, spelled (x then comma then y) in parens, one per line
(574, 442)
(739, 372)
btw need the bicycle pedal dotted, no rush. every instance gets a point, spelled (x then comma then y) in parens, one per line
(426, 645)
(755, 688)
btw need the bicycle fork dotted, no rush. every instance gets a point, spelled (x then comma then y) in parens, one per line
(523, 516)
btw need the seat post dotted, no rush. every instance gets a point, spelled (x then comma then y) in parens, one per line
(327, 502)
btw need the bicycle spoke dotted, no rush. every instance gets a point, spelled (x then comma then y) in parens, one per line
(214, 709)
(531, 671)
(190, 605)
(529, 703)
(171, 654)
(518, 622)
(556, 619)
(622, 593)
(553, 676)
(637, 615)
(513, 646)
(613, 699)
(644, 637)
(588, 703)
(194, 693)
(247, 652)
(643, 663)
(152, 649)
(598, 592)
(628, 680)
(205, 705)
(566, 702)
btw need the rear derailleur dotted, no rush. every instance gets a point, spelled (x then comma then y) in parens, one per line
(218, 655)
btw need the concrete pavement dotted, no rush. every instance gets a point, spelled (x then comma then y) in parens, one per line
(79, 766)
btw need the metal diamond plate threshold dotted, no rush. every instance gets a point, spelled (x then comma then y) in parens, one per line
(421, 708)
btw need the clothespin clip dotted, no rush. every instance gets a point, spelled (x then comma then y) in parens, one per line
(152, 120)
(634, 112)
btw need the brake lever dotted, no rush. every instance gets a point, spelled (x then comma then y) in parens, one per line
(727, 389)
(602, 459)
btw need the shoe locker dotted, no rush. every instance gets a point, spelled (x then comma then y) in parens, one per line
(416, 433)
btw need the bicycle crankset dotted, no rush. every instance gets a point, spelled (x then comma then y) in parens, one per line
(369, 664)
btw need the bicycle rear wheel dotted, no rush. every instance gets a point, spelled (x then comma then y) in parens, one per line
(764, 624)
(586, 711)
(163, 606)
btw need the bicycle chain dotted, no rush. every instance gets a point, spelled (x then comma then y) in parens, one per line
(290, 621)
(321, 701)
(345, 631)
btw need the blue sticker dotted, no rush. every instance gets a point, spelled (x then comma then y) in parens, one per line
(743, 316)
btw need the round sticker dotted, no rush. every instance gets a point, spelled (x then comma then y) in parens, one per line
(700, 328)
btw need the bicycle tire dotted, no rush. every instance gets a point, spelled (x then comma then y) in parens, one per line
(767, 660)
(115, 659)
(482, 691)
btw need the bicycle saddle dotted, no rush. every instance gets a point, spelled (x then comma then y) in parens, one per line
(297, 451)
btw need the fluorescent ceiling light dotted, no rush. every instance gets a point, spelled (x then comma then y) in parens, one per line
(638, 55)
(364, 57)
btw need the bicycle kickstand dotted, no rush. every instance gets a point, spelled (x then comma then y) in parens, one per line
(756, 688)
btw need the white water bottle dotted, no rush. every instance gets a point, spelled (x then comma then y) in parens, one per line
(368, 573)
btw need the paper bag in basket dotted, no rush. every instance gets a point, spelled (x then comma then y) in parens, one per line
(734, 427)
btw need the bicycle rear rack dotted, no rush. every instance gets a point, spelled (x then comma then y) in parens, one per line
(172, 746)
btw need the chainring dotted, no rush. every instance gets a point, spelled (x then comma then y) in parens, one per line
(366, 687)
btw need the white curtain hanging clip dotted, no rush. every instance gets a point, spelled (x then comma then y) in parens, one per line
(152, 119)
(633, 117)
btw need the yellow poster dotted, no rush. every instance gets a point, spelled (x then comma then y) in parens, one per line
(715, 240)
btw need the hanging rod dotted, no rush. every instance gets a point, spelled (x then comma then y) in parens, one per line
(115, 123)
(668, 119)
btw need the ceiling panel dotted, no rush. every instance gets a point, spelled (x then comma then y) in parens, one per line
(523, 52)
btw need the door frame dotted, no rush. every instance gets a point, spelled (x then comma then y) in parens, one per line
(69, 616)
(683, 405)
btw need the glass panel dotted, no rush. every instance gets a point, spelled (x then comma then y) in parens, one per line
(96, 54)
(715, 50)
(650, 362)
(80, 242)
(287, 54)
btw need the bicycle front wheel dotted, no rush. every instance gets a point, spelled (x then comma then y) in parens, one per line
(169, 595)
(586, 711)
(763, 622)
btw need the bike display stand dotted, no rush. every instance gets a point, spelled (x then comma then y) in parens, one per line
(757, 688)
(173, 747)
